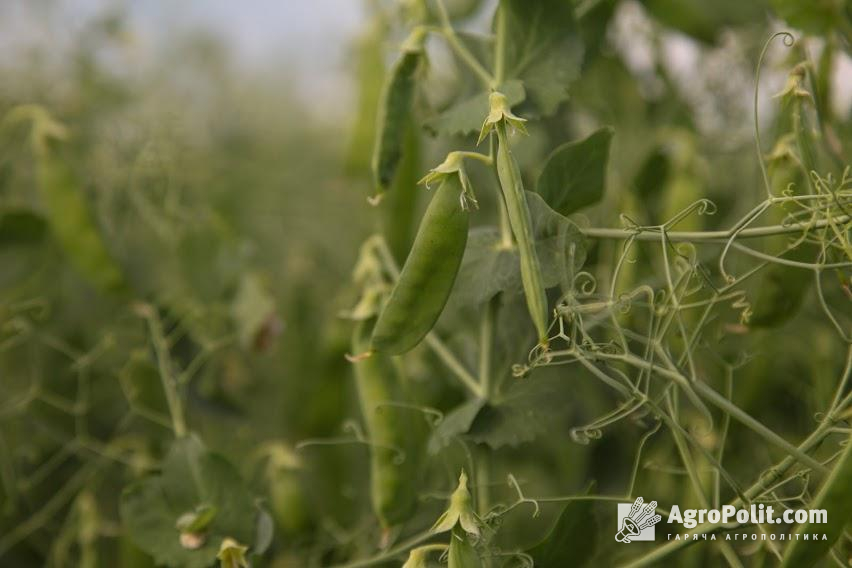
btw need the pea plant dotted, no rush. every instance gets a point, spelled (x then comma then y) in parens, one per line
(589, 278)
(645, 319)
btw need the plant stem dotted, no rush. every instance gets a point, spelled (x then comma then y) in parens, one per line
(457, 46)
(652, 233)
(452, 363)
(506, 239)
(500, 47)
(486, 345)
(390, 553)
(167, 376)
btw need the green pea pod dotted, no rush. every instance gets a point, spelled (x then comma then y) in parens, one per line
(462, 553)
(835, 497)
(392, 484)
(519, 218)
(287, 501)
(395, 113)
(428, 274)
(73, 224)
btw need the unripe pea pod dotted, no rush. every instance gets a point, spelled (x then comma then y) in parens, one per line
(395, 111)
(462, 553)
(427, 278)
(72, 221)
(392, 480)
(521, 223)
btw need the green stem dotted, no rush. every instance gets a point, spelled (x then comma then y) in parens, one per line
(500, 47)
(506, 240)
(464, 54)
(167, 376)
(486, 346)
(652, 234)
(454, 365)
(389, 554)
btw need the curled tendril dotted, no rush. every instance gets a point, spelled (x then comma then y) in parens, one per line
(624, 303)
(707, 207)
(433, 416)
(585, 282)
(520, 371)
(357, 437)
(585, 435)
(629, 224)
(540, 354)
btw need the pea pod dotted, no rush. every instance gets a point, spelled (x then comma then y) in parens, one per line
(392, 484)
(428, 274)
(835, 497)
(395, 112)
(73, 224)
(462, 553)
(521, 223)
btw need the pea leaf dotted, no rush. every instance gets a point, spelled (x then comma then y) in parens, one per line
(488, 267)
(530, 407)
(574, 175)
(653, 174)
(527, 409)
(543, 49)
(704, 20)
(835, 497)
(21, 227)
(191, 477)
(813, 16)
(455, 423)
(466, 117)
(572, 539)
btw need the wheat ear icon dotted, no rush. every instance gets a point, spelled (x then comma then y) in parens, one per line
(637, 520)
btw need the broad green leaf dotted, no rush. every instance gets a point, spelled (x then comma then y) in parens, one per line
(814, 16)
(455, 423)
(543, 49)
(21, 227)
(704, 20)
(652, 174)
(574, 175)
(488, 267)
(835, 497)
(572, 540)
(191, 477)
(530, 407)
(466, 117)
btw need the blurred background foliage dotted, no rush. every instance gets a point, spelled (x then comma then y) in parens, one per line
(230, 189)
